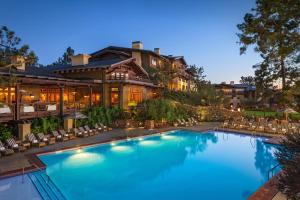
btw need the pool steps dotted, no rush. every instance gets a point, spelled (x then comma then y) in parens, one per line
(47, 189)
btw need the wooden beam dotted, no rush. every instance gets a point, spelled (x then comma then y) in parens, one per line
(18, 101)
(61, 101)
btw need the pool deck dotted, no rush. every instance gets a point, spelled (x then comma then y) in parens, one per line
(268, 191)
(24, 161)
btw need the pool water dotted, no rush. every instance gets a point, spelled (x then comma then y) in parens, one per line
(178, 165)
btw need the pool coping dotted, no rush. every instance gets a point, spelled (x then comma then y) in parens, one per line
(268, 190)
(262, 193)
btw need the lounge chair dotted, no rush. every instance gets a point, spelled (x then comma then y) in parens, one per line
(57, 136)
(225, 124)
(68, 135)
(34, 142)
(190, 121)
(195, 121)
(89, 130)
(5, 151)
(181, 123)
(13, 145)
(85, 132)
(99, 128)
(78, 133)
(45, 139)
(103, 126)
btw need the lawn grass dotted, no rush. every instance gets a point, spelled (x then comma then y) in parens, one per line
(273, 114)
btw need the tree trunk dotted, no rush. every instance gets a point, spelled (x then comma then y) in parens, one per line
(283, 73)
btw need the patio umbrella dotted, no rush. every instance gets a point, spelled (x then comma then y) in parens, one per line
(75, 115)
(287, 111)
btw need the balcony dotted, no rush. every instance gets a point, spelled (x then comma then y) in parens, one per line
(37, 110)
(7, 112)
(126, 76)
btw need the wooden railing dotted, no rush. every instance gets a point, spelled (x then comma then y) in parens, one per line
(7, 116)
(36, 110)
(122, 76)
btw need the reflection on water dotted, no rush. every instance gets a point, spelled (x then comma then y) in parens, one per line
(166, 165)
(264, 157)
(83, 158)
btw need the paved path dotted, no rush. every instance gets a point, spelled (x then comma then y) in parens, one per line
(18, 161)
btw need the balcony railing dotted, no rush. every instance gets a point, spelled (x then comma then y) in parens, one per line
(7, 112)
(36, 110)
(124, 76)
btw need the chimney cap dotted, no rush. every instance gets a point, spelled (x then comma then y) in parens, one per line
(137, 45)
(157, 50)
(80, 59)
(135, 42)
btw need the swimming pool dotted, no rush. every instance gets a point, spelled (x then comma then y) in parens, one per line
(177, 165)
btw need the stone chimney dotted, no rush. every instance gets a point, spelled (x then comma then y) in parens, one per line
(18, 61)
(137, 45)
(80, 59)
(157, 51)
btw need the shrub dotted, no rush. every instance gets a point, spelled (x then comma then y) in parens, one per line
(45, 124)
(103, 115)
(288, 156)
(163, 109)
(5, 131)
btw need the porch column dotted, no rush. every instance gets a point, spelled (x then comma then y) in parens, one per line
(18, 101)
(61, 101)
(91, 94)
(121, 95)
(9, 95)
(103, 92)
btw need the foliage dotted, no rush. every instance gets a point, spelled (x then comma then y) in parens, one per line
(45, 124)
(255, 113)
(248, 80)
(163, 109)
(212, 113)
(271, 114)
(288, 156)
(102, 115)
(204, 96)
(248, 103)
(65, 59)
(5, 131)
(273, 27)
(197, 75)
(9, 46)
(163, 74)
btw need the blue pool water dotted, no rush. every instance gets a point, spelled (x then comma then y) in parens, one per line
(179, 165)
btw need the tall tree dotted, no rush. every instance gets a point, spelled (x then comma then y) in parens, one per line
(65, 58)
(273, 28)
(197, 75)
(249, 80)
(10, 46)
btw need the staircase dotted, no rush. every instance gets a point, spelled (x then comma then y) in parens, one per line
(47, 189)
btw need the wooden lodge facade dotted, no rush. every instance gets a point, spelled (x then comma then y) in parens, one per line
(113, 76)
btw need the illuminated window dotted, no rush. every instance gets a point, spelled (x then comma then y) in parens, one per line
(114, 96)
(153, 62)
(135, 96)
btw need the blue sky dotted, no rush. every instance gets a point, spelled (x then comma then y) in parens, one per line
(203, 31)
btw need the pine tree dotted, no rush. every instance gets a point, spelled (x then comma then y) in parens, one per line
(273, 28)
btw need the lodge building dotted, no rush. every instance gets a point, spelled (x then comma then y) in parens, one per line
(113, 76)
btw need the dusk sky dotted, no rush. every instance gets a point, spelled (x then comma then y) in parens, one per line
(203, 31)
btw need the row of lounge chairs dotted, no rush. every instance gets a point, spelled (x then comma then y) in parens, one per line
(41, 140)
(266, 126)
(191, 121)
